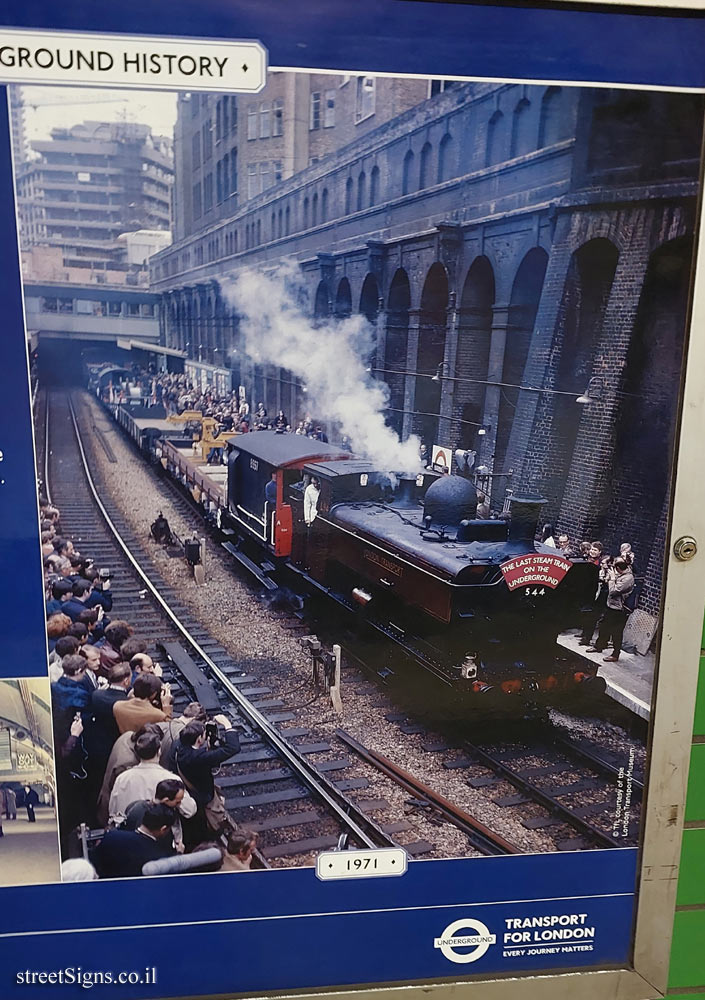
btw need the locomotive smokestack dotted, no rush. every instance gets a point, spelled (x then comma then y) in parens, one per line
(405, 491)
(525, 513)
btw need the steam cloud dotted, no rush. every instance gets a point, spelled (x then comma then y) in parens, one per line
(328, 358)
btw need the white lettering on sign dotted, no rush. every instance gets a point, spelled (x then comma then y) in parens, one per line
(145, 62)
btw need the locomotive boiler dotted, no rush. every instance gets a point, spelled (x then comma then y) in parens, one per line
(475, 601)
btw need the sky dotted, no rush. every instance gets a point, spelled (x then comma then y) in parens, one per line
(48, 107)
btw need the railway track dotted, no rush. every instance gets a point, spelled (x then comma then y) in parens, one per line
(272, 786)
(525, 775)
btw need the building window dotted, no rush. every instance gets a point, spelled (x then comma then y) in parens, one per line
(445, 158)
(324, 205)
(252, 122)
(287, 221)
(147, 309)
(197, 204)
(554, 124)
(407, 171)
(265, 175)
(226, 122)
(207, 193)
(278, 116)
(305, 215)
(364, 98)
(425, 166)
(277, 165)
(361, 191)
(259, 232)
(219, 181)
(133, 308)
(114, 308)
(207, 132)
(252, 179)
(196, 150)
(83, 178)
(219, 121)
(233, 114)
(194, 104)
(348, 195)
(226, 176)
(314, 210)
(233, 170)
(495, 139)
(329, 109)
(264, 121)
(280, 223)
(374, 186)
(315, 116)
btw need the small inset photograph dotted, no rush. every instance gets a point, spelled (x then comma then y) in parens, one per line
(29, 842)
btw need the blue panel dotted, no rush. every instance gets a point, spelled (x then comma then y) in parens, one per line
(262, 925)
(21, 592)
(427, 38)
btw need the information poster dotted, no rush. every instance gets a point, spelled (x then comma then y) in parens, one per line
(342, 393)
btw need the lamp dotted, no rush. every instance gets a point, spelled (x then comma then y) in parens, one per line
(592, 392)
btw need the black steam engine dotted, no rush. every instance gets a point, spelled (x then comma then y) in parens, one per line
(475, 601)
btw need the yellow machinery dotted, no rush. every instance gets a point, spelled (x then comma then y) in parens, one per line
(209, 439)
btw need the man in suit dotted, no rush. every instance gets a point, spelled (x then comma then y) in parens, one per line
(31, 799)
(123, 853)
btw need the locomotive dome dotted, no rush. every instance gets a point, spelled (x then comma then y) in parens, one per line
(450, 500)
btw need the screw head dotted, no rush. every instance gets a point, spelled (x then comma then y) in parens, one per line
(685, 548)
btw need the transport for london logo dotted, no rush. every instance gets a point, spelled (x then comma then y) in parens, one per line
(478, 940)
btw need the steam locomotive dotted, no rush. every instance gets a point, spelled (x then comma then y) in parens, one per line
(476, 602)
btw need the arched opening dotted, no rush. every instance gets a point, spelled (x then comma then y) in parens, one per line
(472, 359)
(579, 329)
(369, 307)
(374, 186)
(306, 213)
(361, 185)
(324, 205)
(495, 139)
(555, 123)
(432, 341)
(523, 140)
(273, 228)
(407, 168)
(314, 209)
(280, 224)
(523, 305)
(396, 345)
(321, 308)
(348, 195)
(287, 220)
(646, 423)
(425, 166)
(446, 158)
(343, 299)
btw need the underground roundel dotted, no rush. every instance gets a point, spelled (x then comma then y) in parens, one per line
(478, 940)
(534, 569)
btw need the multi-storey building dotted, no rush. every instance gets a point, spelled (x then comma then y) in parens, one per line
(229, 150)
(93, 182)
(516, 248)
(17, 123)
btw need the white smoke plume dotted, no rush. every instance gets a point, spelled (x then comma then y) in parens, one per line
(329, 358)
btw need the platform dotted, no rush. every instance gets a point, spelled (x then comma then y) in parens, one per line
(629, 680)
(29, 852)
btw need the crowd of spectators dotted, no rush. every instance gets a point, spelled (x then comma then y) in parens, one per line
(231, 410)
(615, 594)
(128, 766)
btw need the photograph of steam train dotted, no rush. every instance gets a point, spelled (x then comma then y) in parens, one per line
(406, 350)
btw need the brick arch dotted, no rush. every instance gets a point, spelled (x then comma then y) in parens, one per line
(321, 303)
(645, 427)
(474, 331)
(523, 306)
(433, 323)
(343, 299)
(395, 351)
(579, 331)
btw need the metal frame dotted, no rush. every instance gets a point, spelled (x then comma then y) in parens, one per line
(671, 736)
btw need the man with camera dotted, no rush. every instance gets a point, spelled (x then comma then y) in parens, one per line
(152, 702)
(620, 584)
(199, 749)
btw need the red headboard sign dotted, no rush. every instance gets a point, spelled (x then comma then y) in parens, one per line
(535, 569)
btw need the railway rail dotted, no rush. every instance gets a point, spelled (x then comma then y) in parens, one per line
(201, 669)
(533, 767)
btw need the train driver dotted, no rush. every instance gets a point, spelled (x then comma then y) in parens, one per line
(270, 490)
(311, 495)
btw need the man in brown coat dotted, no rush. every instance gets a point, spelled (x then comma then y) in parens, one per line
(152, 702)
